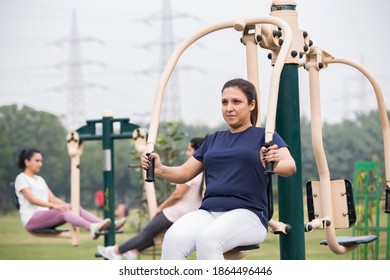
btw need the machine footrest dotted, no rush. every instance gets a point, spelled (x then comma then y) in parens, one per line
(50, 230)
(247, 247)
(352, 240)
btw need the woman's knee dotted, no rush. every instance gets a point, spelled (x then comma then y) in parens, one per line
(173, 238)
(208, 240)
(175, 246)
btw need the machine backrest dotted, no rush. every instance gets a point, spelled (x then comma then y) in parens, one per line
(14, 196)
(342, 200)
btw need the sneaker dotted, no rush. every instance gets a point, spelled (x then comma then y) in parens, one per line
(120, 223)
(129, 255)
(108, 253)
(97, 227)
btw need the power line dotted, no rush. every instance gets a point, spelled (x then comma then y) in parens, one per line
(171, 108)
(75, 86)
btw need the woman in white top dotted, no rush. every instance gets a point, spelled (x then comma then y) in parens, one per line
(40, 208)
(186, 198)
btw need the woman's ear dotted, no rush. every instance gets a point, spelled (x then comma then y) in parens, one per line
(252, 105)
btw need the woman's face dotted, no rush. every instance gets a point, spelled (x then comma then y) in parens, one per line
(235, 108)
(35, 163)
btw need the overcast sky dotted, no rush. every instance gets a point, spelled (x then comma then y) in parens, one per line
(121, 49)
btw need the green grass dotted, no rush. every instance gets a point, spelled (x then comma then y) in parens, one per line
(17, 244)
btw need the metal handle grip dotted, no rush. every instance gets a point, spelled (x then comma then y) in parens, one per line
(387, 200)
(150, 170)
(269, 165)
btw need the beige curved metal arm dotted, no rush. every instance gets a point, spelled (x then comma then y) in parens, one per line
(252, 64)
(381, 107)
(320, 157)
(313, 67)
(239, 26)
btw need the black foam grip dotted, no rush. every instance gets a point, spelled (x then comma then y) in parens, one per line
(269, 166)
(150, 170)
(387, 201)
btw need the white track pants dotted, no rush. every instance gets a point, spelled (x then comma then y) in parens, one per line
(211, 234)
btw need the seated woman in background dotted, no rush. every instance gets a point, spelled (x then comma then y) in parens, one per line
(41, 209)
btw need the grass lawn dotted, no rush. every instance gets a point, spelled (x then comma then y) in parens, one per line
(17, 244)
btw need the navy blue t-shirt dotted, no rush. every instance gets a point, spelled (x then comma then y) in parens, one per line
(233, 171)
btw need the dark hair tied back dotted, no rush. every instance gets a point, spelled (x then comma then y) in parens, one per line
(26, 154)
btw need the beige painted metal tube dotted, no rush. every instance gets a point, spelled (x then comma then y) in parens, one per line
(320, 157)
(75, 196)
(274, 86)
(158, 98)
(381, 107)
(252, 66)
(74, 151)
(139, 137)
(277, 227)
(239, 26)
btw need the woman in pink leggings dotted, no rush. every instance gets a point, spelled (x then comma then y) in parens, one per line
(41, 209)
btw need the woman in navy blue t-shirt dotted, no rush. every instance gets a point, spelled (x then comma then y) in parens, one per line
(234, 210)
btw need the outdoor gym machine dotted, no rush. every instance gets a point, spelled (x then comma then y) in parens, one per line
(290, 48)
(107, 135)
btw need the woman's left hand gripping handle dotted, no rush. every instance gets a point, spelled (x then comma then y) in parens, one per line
(269, 165)
(150, 170)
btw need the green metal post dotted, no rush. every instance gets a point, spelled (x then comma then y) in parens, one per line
(87, 133)
(108, 177)
(292, 245)
(290, 194)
